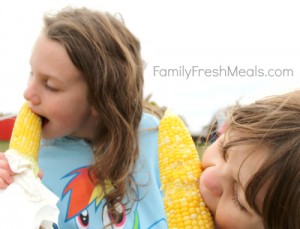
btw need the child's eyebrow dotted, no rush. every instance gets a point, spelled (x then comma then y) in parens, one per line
(225, 147)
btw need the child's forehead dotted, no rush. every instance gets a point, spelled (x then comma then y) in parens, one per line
(250, 162)
(240, 137)
(245, 156)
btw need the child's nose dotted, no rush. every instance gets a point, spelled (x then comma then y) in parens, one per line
(211, 179)
(31, 95)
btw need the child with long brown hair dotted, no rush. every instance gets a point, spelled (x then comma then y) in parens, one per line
(86, 83)
(251, 174)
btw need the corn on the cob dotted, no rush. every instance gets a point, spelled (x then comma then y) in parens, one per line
(180, 171)
(26, 133)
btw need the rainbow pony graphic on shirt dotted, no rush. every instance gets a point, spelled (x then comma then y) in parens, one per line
(84, 196)
(84, 200)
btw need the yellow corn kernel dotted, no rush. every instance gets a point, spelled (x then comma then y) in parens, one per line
(26, 133)
(180, 170)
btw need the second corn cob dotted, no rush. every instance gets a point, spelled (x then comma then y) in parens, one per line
(180, 171)
(26, 133)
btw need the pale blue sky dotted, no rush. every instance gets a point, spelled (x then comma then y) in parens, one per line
(176, 35)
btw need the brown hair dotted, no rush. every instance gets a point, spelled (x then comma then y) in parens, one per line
(108, 55)
(273, 122)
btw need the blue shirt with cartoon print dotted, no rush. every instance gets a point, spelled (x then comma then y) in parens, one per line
(65, 162)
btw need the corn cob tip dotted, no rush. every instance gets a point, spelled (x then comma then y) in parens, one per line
(169, 112)
(26, 133)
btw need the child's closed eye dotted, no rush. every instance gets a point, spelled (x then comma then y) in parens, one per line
(50, 87)
(235, 199)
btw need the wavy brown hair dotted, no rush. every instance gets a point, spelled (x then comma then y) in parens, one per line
(108, 55)
(273, 122)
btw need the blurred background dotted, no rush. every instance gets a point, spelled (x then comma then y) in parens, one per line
(201, 56)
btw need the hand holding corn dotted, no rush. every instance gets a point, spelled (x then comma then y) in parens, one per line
(180, 170)
(26, 198)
